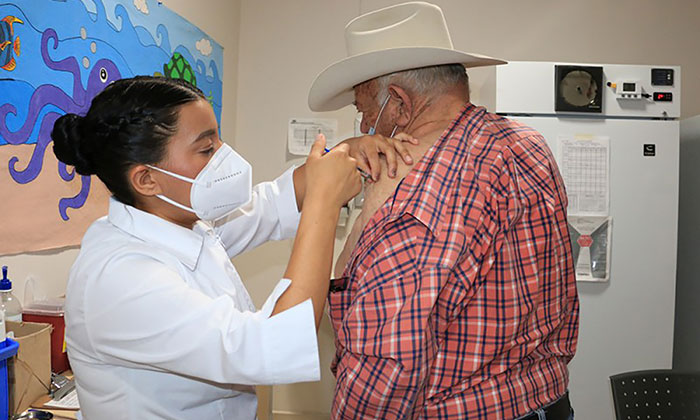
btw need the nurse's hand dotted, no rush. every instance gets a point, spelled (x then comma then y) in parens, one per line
(366, 149)
(331, 177)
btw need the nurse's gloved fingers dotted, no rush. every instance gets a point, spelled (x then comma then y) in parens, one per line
(342, 148)
(401, 148)
(370, 152)
(388, 149)
(393, 146)
(405, 137)
(319, 146)
(364, 167)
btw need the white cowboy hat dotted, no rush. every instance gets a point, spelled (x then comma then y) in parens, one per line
(400, 37)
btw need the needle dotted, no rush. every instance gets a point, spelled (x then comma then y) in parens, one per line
(364, 174)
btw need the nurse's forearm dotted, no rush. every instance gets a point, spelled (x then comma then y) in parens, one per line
(310, 263)
(299, 177)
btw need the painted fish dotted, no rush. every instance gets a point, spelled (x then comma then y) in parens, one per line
(8, 44)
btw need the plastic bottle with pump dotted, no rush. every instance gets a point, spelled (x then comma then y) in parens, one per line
(8, 302)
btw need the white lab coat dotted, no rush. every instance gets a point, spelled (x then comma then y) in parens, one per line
(160, 326)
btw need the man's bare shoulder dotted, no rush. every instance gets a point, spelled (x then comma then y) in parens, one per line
(417, 152)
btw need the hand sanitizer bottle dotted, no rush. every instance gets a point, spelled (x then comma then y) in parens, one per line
(8, 302)
(3, 330)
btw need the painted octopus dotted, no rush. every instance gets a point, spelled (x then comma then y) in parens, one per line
(102, 74)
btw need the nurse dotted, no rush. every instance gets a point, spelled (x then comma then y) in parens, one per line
(159, 324)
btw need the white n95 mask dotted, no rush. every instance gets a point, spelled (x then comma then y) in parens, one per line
(222, 186)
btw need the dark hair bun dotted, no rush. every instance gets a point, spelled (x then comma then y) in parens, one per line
(68, 143)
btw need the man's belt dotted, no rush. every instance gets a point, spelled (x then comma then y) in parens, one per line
(558, 410)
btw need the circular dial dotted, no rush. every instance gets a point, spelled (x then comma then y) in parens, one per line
(578, 88)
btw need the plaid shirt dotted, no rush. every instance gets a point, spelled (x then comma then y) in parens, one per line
(460, 299)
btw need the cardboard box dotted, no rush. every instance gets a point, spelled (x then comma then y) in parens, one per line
(29, 372)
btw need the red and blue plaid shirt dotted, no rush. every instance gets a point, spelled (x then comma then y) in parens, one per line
(460, 299)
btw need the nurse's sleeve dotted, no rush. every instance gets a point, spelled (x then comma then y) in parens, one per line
(142, 314)
(271, 215)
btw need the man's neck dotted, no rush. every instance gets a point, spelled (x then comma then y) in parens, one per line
(434, 114)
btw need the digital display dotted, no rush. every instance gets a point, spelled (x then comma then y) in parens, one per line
(662, 77)
(663, 96)
(629, 87)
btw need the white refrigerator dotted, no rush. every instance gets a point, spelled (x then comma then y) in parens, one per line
(614, 130)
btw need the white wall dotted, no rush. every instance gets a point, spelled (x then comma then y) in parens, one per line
(686, 349)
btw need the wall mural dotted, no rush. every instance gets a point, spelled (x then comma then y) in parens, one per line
(55, 56)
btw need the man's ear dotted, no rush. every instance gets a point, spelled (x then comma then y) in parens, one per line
(142, 180)
(404, 110)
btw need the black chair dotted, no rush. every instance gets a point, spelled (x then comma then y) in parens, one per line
(656, 395)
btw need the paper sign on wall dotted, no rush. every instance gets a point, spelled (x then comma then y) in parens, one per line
(585, 166)
(302, 133)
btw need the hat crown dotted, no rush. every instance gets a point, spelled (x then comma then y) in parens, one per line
(415, 24)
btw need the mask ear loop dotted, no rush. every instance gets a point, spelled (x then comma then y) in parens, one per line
(373, 129)
(178, 176)
(173, 174)
(176, 204)
(395, 126)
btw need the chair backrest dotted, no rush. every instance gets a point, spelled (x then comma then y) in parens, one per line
(656, 395)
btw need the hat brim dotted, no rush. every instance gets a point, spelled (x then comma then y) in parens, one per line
(332, 88)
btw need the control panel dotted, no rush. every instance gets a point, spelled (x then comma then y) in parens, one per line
(530, 87)
(628, 89)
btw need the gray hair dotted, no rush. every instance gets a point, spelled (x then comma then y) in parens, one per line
(428, 81)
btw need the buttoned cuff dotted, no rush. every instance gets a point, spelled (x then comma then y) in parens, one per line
(291, 344)
(286, 203)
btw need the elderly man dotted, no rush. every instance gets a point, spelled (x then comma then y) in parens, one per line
(457, 296)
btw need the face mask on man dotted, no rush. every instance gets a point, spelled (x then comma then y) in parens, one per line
(222, 186)
(373, 129)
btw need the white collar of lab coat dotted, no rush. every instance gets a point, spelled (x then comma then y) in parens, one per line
(184, 243)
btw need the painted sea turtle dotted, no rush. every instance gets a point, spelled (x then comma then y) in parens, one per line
(178, 68)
